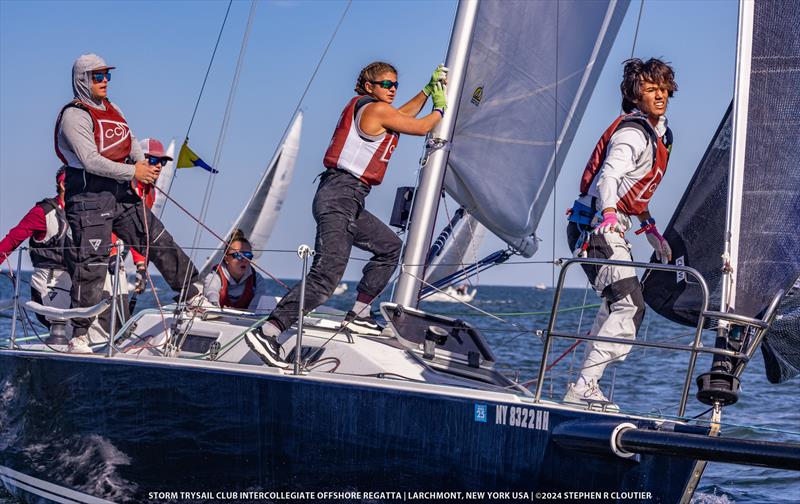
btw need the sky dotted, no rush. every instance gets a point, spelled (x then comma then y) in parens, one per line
(162, 49)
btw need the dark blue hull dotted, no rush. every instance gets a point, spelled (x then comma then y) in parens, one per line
(126, 431)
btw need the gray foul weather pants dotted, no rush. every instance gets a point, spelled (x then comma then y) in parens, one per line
(622, 310)
(342, 222)
(96, 206)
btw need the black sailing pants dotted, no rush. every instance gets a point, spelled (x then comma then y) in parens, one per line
(96, 206)
(342, 222)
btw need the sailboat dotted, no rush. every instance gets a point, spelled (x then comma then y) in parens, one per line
(259, 215)
(179, 404)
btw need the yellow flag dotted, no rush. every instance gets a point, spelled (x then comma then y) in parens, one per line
(188, 159)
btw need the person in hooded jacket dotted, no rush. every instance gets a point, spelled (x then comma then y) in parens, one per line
(102, 156)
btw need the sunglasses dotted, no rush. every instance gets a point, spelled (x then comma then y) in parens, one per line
(153, 160)
(386, 84)
(242, 255)
(99, 76)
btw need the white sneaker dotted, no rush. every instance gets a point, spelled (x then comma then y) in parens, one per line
(266, 348)
(589, 394)
(79, 344)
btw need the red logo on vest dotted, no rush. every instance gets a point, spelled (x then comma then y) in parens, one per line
(112, 133)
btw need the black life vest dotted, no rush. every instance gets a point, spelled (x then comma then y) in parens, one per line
(49, 252)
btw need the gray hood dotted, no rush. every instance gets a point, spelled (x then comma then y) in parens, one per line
(81, 80)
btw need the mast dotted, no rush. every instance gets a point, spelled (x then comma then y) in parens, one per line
(741, 98)
(426, 201)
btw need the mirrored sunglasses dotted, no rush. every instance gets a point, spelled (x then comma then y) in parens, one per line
(386, 84)
(99, 76)
(242, 255)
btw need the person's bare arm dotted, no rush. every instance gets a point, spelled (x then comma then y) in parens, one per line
(378, 117)
(413, 107)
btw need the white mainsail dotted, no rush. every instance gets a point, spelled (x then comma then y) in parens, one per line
(260, 214)
(164, 182)
(531, 69)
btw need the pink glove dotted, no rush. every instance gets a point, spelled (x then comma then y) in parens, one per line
(610, 224)
(658, 242)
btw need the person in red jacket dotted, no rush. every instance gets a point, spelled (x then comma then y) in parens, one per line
(46, 229)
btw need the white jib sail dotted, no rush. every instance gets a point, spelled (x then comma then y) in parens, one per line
(460, 250)
(164, 182)
(532, 68)
(260, 214)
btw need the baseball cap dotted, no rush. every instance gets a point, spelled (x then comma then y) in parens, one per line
(152, 147)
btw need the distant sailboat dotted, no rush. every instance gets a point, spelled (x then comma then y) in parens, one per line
(450, 294)
(340, 289)
(259, 215)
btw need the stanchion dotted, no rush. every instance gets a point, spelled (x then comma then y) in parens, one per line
(114, 296)
(304, 252)
(16, 299)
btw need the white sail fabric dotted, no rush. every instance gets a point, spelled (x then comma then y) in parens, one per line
(164, 182)
(460, 250)
(260, 214)
(532, 68)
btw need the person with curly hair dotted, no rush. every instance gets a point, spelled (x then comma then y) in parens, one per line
(619, 180)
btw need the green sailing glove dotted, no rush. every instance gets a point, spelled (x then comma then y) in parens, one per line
(439, 75)
(439, 95)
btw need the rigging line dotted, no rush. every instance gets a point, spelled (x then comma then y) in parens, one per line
(208, 70)
(316, 68)
(636, 32)
(517, 326)
(224, 127)
(199, 222)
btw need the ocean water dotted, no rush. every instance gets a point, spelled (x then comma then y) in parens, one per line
(649, 381)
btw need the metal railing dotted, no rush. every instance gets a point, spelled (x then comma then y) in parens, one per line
(695, 348)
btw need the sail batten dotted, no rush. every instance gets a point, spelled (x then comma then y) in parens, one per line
(532, 68)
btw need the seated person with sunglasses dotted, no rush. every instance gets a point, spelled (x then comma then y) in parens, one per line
(234, 283)
(357, 157)
(102, 156)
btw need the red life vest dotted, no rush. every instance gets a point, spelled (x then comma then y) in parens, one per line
(111, 132)
(635, 201)
(247, 296)
(365, 159)
(145, 191)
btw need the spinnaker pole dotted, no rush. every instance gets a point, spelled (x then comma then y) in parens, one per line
(426, 201)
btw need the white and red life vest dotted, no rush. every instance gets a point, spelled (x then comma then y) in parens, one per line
(111, 132)
(636, 199)
(349, 150)
(243, 301)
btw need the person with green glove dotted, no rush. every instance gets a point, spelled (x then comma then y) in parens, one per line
(357, 157)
